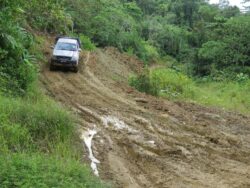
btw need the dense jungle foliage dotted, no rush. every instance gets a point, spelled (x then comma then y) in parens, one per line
(206, 39)
(200, 38)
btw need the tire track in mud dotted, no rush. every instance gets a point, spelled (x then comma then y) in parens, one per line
(156, 143)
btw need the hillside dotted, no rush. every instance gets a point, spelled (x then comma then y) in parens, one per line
(143, 141)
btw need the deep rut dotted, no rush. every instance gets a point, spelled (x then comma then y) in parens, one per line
(151, 142)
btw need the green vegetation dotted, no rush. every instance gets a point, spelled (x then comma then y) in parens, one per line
(33, 126)
(16, 70)
(39, 143)
(205, 38)
(168, 83)
(230, 95)
(39, 146)
(86, 43)
(36, 170)
(204, 50)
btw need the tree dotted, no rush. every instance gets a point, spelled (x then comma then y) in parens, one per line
(210, 55)
(185, 11)
(228, 50)
(147, 6)
(114, 27)
(208, 12)
(170, 40)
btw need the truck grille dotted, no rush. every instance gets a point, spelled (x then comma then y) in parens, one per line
(63, 58)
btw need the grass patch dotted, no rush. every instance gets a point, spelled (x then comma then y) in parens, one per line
(39, 146)
(36, 170)
(174, 85)
(228, 95)
(40, 125)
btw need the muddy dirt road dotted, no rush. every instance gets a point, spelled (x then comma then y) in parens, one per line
(145, 142)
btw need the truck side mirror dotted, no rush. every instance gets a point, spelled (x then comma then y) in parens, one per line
(52, 47)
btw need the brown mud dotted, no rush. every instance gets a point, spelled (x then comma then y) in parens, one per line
(143, 141)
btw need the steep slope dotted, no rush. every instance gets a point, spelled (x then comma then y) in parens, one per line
(143, 141)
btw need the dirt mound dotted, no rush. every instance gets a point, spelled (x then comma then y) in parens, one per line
(142, 141)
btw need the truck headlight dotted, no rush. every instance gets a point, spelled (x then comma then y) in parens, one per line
(74, 58)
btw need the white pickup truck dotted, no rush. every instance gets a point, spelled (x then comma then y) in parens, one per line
(66, 53)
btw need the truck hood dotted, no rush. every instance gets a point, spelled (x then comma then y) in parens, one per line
(64, 53)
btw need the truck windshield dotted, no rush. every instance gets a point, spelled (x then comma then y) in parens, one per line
(66, 46)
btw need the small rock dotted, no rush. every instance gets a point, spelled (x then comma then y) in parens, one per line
(142, 100)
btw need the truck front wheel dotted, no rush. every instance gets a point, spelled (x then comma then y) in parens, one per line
(75, 69)
(52, 67)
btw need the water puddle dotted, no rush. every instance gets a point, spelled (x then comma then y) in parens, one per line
(87, 137)
(116, 123)
(151, 142)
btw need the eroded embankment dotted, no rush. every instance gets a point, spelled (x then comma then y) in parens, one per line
(141, 141)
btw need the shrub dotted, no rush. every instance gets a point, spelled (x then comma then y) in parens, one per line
(165, 82)
(141, 82)
(242, 77)
(151, 52)
(16, 70)
(169, 83)
(86, 43)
